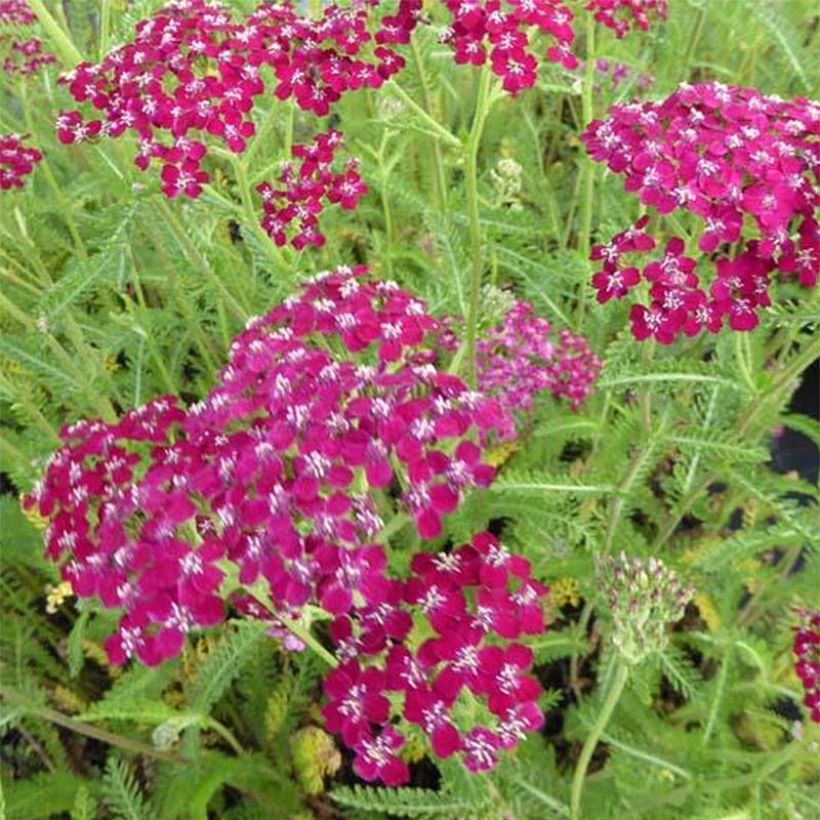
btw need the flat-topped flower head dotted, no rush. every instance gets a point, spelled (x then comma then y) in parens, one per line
(622, 15)
(742, 162)
(194, 70)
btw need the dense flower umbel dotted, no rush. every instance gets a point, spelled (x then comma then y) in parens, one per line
(16, 161)
(502, 28)
(621, 15)
(470, 606)
(807, 655)
(644, 598)
(194, 71)
(746, 165)
(520, 358)
(299, 197)
(271, 479)
(272, 471)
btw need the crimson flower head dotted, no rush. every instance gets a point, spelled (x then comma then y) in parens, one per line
(301, 192)
(498, 30)
(194, 70)
(744, 164)
(621, 15)
(16, 161)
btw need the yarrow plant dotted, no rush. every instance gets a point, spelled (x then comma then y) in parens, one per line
(298, 197)
(274, 479)
(742, 162)
(312, 552)
(16, 161)
(807, 660)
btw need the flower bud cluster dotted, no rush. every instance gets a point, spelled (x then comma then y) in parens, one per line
(468, 606)
(621, 15)
(740, 161)
(16, 161)
(644, 597)
(502, 27)
(807, 660)
(301, 191)
(195, 68)
(520, 358)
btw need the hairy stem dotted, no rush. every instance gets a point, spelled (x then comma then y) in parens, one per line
(590, 744)
(588, 168)
(482, 107)
(440, 182)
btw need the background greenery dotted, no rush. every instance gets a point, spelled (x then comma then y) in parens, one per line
(111, 295)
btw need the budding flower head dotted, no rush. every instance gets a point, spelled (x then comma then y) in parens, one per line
(644, 597)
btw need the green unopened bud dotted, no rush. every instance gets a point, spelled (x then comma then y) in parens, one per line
(644, 598)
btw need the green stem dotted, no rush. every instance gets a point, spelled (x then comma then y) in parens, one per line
(482, 109)
(427, 96)
(20, 701)
(60, 40)
(241, 174)
(105, 27)
(199, 260)
(588, 168)
(697, 30)
(439, 130)
(590, 744)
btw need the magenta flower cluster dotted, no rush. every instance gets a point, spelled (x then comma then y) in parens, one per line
(300, 193)
(21, 56)
(807, 660)
(471, 605)
(26, 56)
(194, 71)
(621, 15)
(745, 164)
(521, 358)
(16, 13)
(16, 161)
(330, 413)
(503, 29)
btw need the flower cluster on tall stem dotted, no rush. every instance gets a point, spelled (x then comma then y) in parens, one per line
(498, 32)
(328, 401)
(742, 162)
(16, 161)
(302, 189)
